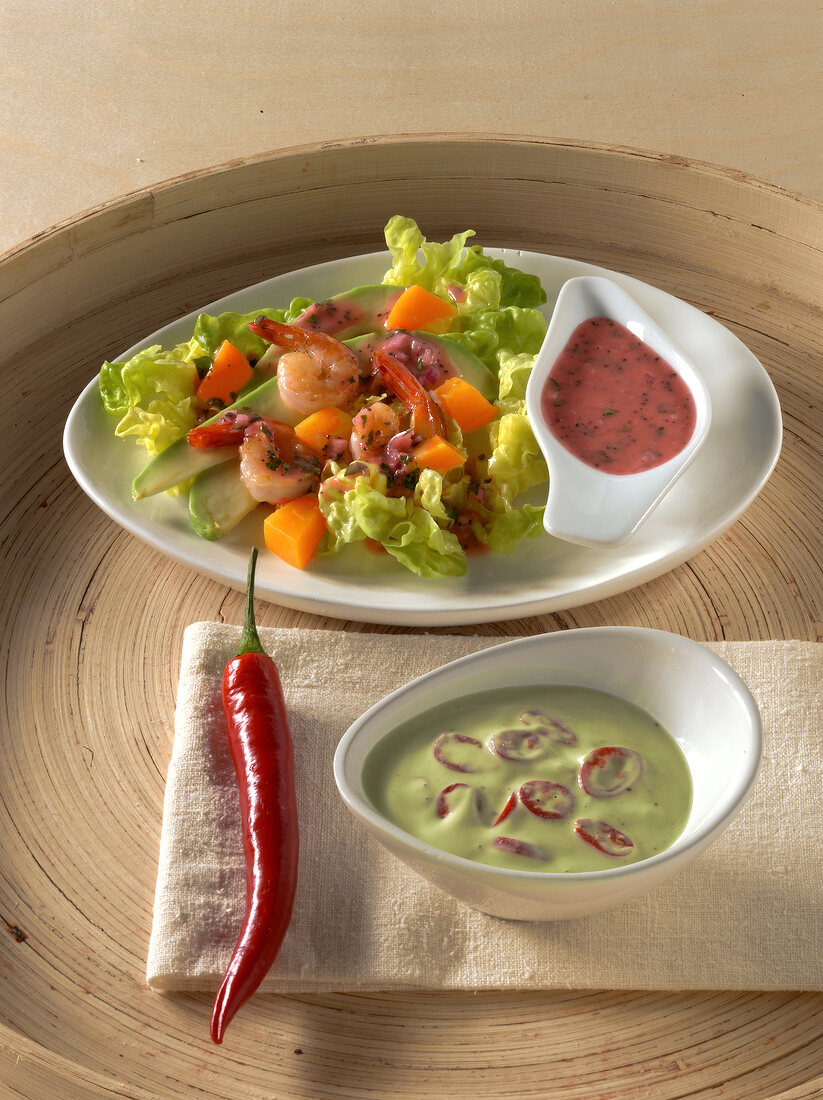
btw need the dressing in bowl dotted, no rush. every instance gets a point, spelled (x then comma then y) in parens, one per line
(617, 410)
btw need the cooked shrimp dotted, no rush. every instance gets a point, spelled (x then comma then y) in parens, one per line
(228, 431)
(274, 465)
(315, 371)
(426, 415)
(371, 430)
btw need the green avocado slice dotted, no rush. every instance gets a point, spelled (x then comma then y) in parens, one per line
(181, 461)
(454, 358)
(218, 500)
(358, 311)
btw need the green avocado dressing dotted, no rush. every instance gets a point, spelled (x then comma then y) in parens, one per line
(542, 778)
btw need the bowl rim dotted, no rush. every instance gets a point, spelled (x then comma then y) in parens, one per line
(735, 795)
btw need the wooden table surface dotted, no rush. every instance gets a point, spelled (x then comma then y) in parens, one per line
(99, 104)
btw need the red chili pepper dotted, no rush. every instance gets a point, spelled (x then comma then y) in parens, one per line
(261, 748)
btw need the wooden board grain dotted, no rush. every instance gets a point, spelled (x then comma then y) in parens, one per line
(92, 624)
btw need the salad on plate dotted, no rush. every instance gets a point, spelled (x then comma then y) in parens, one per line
(391, 414)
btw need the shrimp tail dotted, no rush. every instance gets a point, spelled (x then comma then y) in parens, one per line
(295, 338)
(427, 416)
(284, 336)
(221, 434)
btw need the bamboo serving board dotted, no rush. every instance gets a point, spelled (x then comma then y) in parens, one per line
(93, 621)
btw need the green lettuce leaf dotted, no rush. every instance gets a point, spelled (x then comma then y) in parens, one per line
(439, 261)
(151, 371)
(453, 262)
(508, 529)
(493, 335)
(428, 494)
(515, 288)
(519, 289)
(482, 289)
(516, 462)
(497, 310)
(210, 332)
(512, 379)
(158, 424)
(153, 394)
(356, 507)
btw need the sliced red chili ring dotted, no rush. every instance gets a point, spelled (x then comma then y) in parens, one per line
(605, 837)
(556, 730)
(562, 733)
(609, 770)
(534, 718)
(448, 802)
(517, 847)
(545, 799)
(459, 752)
(521, 746)
(511, 802)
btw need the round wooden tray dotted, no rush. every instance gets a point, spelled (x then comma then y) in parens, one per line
(93, 622)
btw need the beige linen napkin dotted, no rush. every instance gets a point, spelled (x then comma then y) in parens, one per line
(745, 915)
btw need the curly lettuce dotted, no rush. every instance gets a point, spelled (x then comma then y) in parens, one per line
(356, 507)
(498, 320)
(437, 266)
(493, 335)
(516, 462)
(416, 260)
(497, 310)
(210, 332)
(153, 394)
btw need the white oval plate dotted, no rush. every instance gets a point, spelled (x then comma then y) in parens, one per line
(543, 574)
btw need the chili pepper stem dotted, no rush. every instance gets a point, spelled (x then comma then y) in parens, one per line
(250, 639)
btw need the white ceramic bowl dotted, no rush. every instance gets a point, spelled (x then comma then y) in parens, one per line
(586, 505)
(690, 691)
